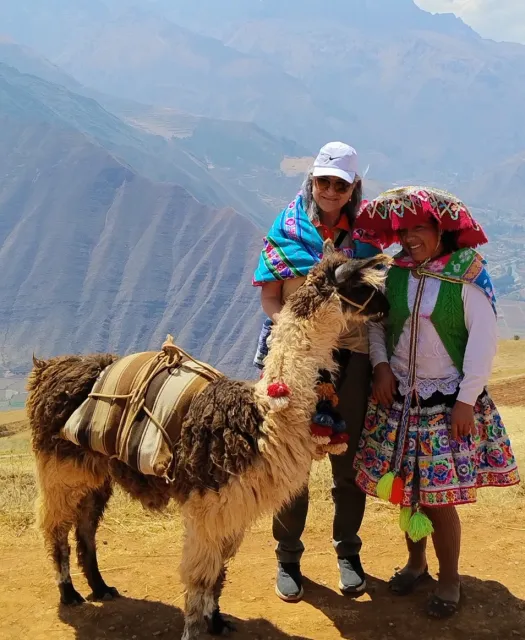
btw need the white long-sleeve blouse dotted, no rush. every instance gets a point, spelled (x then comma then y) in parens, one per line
(435, 370)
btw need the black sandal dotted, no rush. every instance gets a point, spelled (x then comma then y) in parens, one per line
(402, 584)
(442, 609)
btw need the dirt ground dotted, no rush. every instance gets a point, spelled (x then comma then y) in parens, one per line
(144, 568)
(139, 554)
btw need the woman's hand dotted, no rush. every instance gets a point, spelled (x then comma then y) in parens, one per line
(462, 420)
(384, 385)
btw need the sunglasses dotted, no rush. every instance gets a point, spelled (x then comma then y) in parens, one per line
(339, 185)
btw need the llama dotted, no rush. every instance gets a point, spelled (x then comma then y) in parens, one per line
(242, 452)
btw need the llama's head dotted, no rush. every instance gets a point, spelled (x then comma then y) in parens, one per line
(356, 284)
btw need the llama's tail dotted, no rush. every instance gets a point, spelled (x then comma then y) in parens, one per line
(56, 388)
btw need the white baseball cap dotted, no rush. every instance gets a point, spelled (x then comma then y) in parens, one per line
(337, 159)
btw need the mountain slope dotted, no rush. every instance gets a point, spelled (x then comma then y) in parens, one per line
(47, 26)
(147, 58)
(238, 165)
(504, 184)
(129, 49)
(95, 257)
(216, 19)
(26, 61)
(433, 104)
(422, 96)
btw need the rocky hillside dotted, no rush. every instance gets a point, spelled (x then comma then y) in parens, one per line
(96, 256)
(422, 96)
(145, 144)
(222, 163)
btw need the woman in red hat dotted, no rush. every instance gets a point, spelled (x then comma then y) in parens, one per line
(432, 436)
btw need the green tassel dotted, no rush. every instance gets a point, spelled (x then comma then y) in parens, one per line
(384, 486)
(404, 518)
(419, 527)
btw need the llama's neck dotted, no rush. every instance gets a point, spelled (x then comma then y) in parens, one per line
(299, 349)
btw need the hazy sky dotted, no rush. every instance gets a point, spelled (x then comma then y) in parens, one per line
(496, 19)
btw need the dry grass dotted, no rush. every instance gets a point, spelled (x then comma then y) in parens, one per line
(12, 422)
(510, 361)
(17, 483)
(17, 493)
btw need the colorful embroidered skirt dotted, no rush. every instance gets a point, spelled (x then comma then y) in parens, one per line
(436, 469)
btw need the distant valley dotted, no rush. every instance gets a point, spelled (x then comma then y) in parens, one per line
(145, 146)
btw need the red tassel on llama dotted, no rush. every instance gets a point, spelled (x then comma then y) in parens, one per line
(278, 395)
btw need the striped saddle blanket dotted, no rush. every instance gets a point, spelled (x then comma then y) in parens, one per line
(137, 406)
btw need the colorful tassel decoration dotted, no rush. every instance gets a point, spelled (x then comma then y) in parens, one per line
(340, 426)
(398, 490)
(336, 449)
(323, 419)
(319, 453)
(384, 486)
(326, 391)
(420, 527)
(405, 515)
(325, 406)
(321, 431)
(278, 390)
(339, 438)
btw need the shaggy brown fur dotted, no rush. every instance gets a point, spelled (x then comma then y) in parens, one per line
(152, 492)
(219, 437)
(358, 276)
(56, 388)
(240, 454)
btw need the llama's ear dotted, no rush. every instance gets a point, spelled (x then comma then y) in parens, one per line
(381, 260)
(38, 364)
(367, 267)
(374, 270)
(328, 248)
(344, 271)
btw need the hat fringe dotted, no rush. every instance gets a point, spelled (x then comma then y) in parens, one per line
(405, 207)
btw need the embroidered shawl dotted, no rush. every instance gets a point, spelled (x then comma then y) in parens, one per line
(293, 246)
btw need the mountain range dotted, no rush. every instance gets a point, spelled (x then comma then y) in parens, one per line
(145, 145)
(422, 96)
(94, 256)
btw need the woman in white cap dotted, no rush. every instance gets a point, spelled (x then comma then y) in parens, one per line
(325, 208)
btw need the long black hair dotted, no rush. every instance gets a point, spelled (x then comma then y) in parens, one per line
(449, 240)
(349, 210)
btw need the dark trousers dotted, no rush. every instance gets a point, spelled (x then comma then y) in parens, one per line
(349, 500)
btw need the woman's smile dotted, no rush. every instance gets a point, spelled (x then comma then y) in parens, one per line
(422, 241)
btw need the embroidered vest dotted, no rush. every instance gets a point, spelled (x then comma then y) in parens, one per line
(448, 316)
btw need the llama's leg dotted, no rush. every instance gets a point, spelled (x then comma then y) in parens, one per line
(62, 486)
(58, 545)
(55, 528)
(200, 569)
(218, 625)
(91, 511)
(203, 574)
